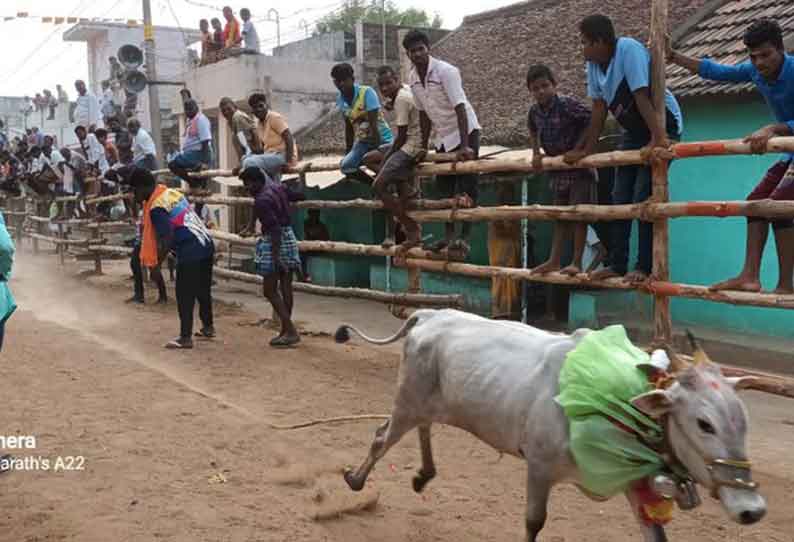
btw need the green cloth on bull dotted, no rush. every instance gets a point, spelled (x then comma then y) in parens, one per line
(597, 382)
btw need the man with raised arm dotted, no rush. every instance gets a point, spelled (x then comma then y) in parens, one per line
(772, 72)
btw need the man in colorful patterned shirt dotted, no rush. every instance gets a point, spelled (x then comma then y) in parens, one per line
(365, 127)
(169, 223)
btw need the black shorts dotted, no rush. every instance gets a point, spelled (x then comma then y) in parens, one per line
(452, 185)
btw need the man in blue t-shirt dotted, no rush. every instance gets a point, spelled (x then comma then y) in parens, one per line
(618, 81)
(365, 127)
(772, 71)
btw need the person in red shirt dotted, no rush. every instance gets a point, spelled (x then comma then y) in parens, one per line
(231, 32)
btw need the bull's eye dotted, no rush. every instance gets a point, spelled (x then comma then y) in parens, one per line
(706, 427)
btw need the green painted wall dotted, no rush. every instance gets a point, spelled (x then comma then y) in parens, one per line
(706, 250)
(362, 226)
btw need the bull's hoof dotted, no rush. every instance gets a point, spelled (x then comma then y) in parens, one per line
(352, 481)
(421, 479)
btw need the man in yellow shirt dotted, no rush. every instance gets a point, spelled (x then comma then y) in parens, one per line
(278, 145)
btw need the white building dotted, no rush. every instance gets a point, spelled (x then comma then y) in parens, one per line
(104, 40)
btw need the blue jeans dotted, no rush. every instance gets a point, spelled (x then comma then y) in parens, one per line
(352, 161)
(632, 185)
(269, 162)
(191, 159)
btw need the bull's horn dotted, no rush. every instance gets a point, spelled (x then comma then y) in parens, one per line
(698, 354)
(676, 363)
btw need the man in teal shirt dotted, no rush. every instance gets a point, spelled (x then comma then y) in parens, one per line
(365, 127)
(7, 304)
(772, 72)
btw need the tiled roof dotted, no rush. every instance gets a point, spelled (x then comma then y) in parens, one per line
(494, 49)
(718, 35)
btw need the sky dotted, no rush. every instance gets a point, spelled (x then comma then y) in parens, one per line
(37, 57)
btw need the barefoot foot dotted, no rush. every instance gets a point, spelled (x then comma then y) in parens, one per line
(739, 283)
(636, 276)
(603, 274)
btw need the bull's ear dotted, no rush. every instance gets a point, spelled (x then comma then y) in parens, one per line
(742, 382)
(655, 403)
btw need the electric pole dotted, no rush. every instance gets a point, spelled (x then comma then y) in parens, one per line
(151, 75)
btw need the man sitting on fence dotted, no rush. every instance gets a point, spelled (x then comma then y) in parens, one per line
(144, 152)
(365, 127)
(772, 71)
(278, 147)
(242, 128)
(618, 80)
(196, 148)
(396, 162)
(277, 256)
(559, 124)
(438, 92)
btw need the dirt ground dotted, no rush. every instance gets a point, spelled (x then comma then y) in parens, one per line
(176, 445)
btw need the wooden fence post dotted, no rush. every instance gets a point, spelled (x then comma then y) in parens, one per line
(96, 234)
(663, 327)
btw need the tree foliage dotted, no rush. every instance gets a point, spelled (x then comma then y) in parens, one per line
(370, 11)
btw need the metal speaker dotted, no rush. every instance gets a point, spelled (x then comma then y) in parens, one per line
(135, 82)
(130, 56)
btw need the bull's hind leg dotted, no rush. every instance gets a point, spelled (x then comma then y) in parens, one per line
(386, 436)
(428, 470)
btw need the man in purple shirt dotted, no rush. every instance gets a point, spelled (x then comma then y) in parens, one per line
(772, 71)
(276, 256)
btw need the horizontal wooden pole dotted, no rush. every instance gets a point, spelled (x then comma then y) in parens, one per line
(411, 300)
(104, 199)
(650, 287)
(13, 213)
(110, 225)
(70, 222)
(59, 241)
(109, 249)
(647, 211)
(523, 164)
(358, 203)
(66, 199)
(337, 247)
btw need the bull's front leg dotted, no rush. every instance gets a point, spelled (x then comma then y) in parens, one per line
(538, 488)
(650, 533)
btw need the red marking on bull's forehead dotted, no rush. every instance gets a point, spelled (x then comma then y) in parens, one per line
(714, 384)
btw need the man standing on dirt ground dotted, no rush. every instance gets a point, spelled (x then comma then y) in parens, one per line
(169, 223)
(442, 103)
(277, 256)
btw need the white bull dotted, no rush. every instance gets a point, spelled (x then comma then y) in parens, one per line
(497, 380)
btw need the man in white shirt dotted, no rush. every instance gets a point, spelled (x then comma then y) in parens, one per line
(438, 92)
(196, 146)
(144, 152)
(249, 34)
(87, 111)
(92, 149)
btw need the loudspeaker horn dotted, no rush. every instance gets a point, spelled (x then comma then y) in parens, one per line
(130, 56)
(135, 82)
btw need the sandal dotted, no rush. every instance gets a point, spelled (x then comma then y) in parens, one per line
(285, 341)
(461, 245)
(438, 246)
(206, 333)
(180, 343)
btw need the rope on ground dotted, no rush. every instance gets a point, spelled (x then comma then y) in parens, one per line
(326, 421)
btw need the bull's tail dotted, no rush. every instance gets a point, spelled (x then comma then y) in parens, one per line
(342, 334)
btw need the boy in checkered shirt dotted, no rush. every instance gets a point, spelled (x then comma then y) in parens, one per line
(558, 124)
